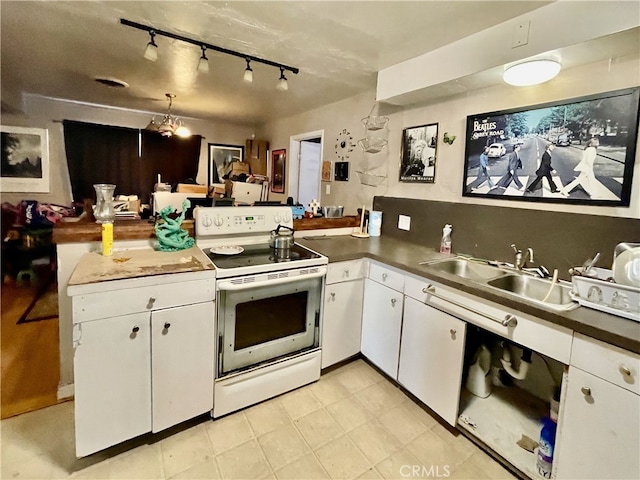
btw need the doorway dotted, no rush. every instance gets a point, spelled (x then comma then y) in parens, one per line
(306, 167)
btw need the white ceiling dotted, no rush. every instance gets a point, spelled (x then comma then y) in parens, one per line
(56, 49)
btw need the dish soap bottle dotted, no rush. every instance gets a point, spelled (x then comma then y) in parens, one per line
(445, 243)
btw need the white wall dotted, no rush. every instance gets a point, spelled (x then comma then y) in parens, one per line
(451, 115)
(43, 112)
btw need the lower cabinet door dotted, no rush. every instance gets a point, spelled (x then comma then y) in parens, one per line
(381, 324)
(341, 321)
(182, 360)
(112, 381)
(431, 357)
(599, 431)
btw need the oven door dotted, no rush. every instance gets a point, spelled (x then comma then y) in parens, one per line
(265, 321)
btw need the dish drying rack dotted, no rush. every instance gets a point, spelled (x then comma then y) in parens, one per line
(600, 293)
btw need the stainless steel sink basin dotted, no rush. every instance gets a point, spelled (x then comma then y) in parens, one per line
(466, 269)
(535, 289)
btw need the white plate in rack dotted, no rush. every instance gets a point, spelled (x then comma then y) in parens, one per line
(227, 249)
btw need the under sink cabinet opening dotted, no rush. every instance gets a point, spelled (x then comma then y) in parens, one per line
(507, 390)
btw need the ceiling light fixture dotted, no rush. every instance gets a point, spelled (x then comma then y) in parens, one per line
(203, 63)
(531, 72)
(151, 52)
(282, 82)
(152, 47)
(170, 125)
(248, 73)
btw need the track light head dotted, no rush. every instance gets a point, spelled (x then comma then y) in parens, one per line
(151, 52)
(282, 81)
(248, 72)
(203, 63)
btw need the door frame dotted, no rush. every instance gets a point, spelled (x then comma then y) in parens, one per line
(294, 159)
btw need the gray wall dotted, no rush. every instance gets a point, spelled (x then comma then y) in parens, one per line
(559, 240)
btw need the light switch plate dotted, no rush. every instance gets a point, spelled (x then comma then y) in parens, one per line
(404, 222)
(327, 189)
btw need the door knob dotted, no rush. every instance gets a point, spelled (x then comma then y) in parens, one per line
(625, 370)
(135, 329)
(333, 295)
(167, 325)
(393, 302)
(586, 391)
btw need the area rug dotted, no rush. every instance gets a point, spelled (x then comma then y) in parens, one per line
(44, 306)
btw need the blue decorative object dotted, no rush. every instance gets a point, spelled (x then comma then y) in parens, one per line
(171, 236)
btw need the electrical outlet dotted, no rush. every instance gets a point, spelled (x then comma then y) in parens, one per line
(404, 222)
(327, 189)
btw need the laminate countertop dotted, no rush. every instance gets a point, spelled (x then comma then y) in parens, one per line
(406, 256)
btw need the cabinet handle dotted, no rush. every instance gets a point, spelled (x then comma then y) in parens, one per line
(167, 325)
(393, 302)
(510, 321)
(453, 333)
(151, 302)
(429, 289)
(586, 391)
(384, 277)
(135, 329)
(346, 273)
(625, 370)
(333, 296)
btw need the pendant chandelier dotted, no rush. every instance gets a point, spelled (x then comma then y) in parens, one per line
(169, 125)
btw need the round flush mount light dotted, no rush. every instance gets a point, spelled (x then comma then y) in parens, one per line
(531, 73)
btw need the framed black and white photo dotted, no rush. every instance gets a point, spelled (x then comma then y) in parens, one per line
(419, 154)
(221, 158)
(577, 151)
(25, 160)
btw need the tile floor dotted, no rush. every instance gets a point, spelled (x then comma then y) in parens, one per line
(352, 423)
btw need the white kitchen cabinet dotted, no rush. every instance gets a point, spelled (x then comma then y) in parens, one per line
(182, 354)
(381, 324)
(342, 312)
(599, 430)
(431, 357)
(112, 375)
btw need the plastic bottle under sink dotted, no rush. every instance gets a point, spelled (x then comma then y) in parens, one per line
(478, 379)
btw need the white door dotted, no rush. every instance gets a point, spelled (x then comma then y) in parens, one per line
(599, 434)
(431, 357)
(341, 321)
(309, 173)
(381, 324)
(112, 375)
(182, 353)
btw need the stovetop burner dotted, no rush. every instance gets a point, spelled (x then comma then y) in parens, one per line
(255, 255)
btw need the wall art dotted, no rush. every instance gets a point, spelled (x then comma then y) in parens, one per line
(578, 151)
(221, 159)
(25, 160)
(419, 154)
(278, 169)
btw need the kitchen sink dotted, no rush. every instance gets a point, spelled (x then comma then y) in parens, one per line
(466, 269)
(536, 289)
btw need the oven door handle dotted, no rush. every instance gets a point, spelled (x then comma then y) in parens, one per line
(235, 285)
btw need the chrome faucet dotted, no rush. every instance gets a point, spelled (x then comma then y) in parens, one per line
(521, 259)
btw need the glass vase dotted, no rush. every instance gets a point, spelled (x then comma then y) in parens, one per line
(104, 211)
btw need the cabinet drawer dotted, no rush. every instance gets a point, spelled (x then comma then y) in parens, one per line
(386, 276)
(539, 335)
(344, 271)
(93, 306)
(610, 363)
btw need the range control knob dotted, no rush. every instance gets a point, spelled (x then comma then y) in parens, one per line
(287, 217)
(277, 218)
(206, 221)
(218, 221)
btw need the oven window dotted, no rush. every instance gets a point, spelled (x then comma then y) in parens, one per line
(265, 319)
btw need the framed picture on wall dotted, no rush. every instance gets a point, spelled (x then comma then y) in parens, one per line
(419, 153)
(278, 169)
(579, 151)
(25, 160)
(221, 158)
(326, 171)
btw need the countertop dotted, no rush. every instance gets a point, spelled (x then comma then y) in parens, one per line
(136, 263)
(406, 256)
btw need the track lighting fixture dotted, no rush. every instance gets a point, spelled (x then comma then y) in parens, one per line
(151, 53)
(170, 125)
(203, 63)
(248, 73)
(282, 82)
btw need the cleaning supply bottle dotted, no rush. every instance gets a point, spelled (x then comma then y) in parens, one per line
(445, 243)
(546, 446)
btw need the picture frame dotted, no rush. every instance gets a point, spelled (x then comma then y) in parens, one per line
(419, 154)
(24, 159)
(590, 143)
(221, 158)
(327, 169)
(278, 170)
